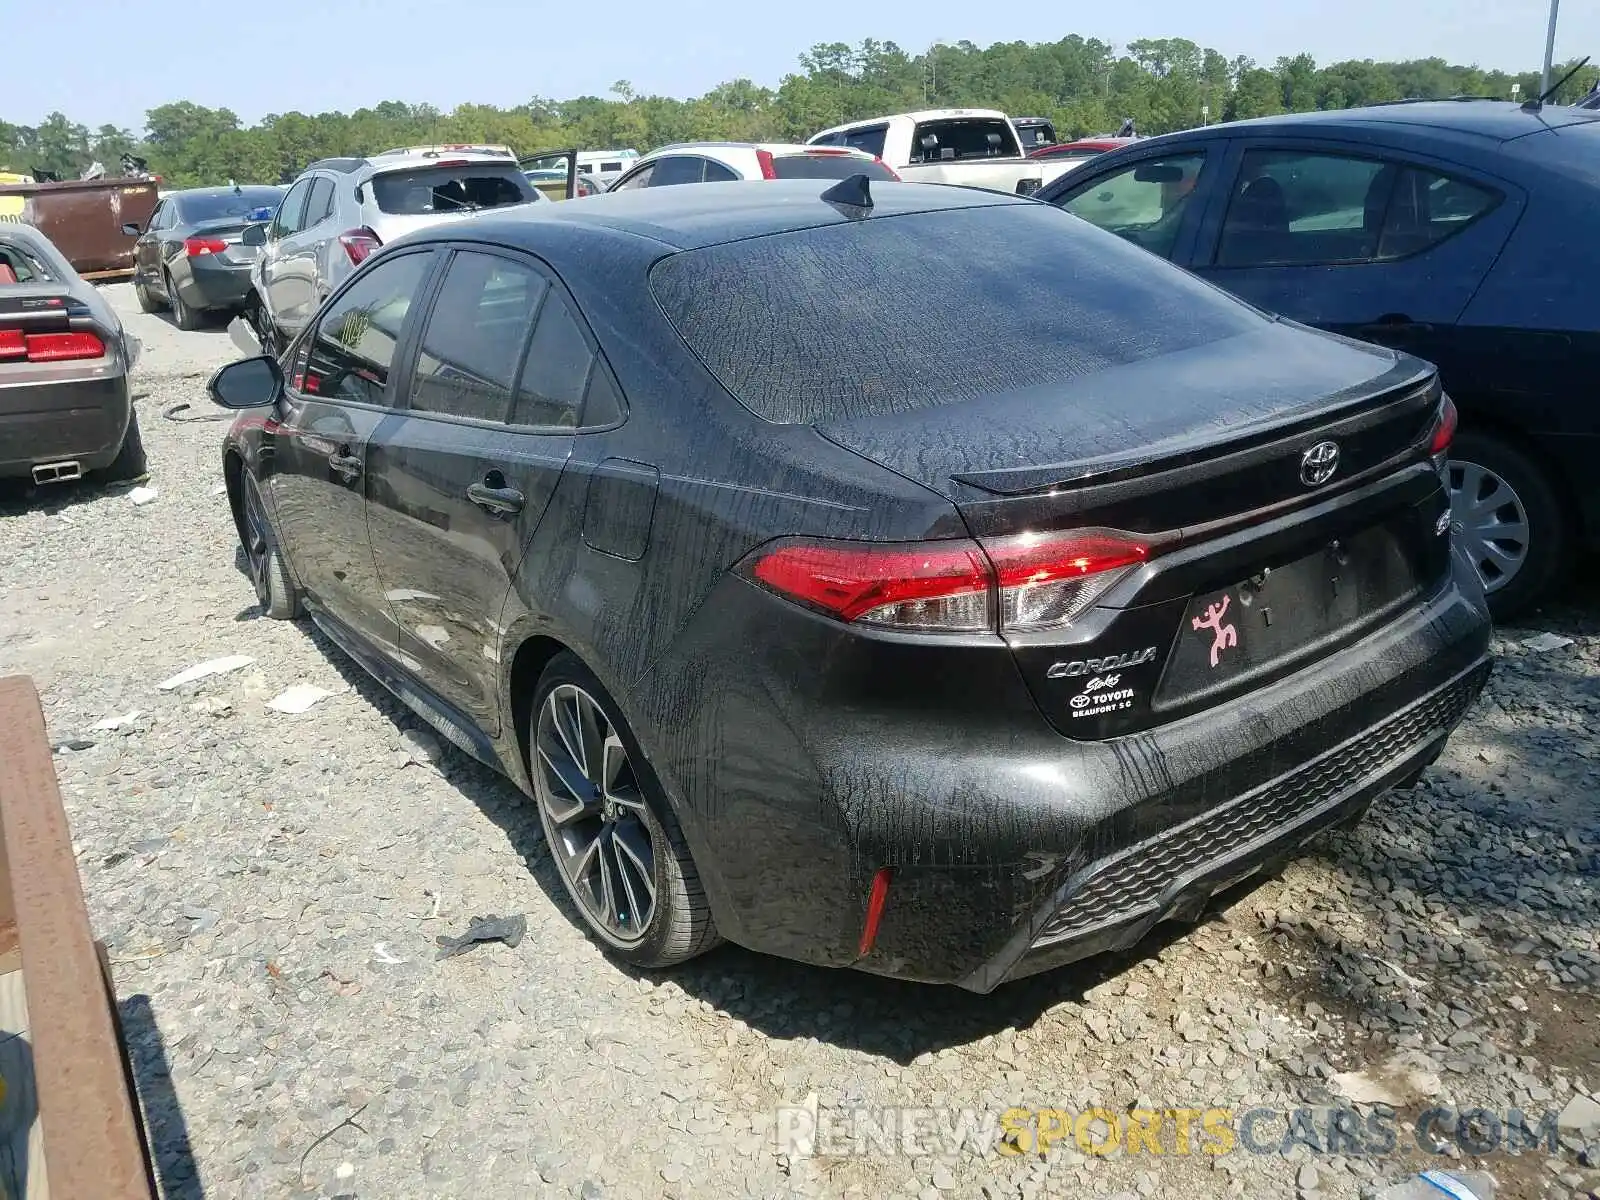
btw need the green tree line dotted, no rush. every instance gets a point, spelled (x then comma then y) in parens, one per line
(1082, 84)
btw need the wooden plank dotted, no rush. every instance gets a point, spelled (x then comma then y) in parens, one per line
(23, 1173)
(91, 1142)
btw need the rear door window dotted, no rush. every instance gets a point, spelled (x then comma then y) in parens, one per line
(1302, 208)
(555, 374)
(930, 309)
(320, 203)
(959, 138)
(352, 351)
(678, 168)
(473, 340)
(426, 190)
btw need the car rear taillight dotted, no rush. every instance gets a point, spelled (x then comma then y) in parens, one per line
(1049, 580)
(1444, 428)
(1028, 582)
(768, 170)
(893, 174)
(359, 244)
(203, 245)
(15, 346)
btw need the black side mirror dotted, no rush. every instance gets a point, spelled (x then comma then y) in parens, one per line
(253, 235)
(249, 383)
(130, 229)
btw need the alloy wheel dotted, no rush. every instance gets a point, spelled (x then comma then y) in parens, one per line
(1490, 523)
(594, 815)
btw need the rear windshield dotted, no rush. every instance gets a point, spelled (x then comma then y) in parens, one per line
(20, 264)
(968, 137)
(227, 205)
(827, 166)
(427, 190)
(894, 314)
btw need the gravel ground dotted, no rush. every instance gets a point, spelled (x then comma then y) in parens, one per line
(270, 887)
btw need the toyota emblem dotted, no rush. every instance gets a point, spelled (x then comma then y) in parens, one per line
(1318, 464)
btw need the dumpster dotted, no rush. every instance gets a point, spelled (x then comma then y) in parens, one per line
(84, 218)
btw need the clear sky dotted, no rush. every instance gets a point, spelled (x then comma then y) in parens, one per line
(318, 55)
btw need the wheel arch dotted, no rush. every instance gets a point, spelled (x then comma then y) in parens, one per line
(1581, 527)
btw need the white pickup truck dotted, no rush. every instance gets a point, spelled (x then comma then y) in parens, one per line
(975, 147)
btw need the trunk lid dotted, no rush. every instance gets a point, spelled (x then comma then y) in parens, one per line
(1129, 444)
(227, 230)
(1256, 565)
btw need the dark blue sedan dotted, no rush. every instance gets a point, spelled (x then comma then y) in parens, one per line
(1460, 231)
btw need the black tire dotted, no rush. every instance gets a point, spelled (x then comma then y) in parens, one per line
(130, 465)
(275, 591)
(184, 317)
(147, 302)
(680, 925)
(1544, 550)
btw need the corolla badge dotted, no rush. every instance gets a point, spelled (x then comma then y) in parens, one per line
(1318, 464)
(1094, 666)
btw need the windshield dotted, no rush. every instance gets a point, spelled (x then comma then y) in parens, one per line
(222, 206)
(426, 190)
(900, 313)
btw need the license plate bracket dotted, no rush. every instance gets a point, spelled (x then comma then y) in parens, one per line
(1285, 611)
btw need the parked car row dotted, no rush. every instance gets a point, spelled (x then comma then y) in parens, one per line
(914, 579)
(1444, 229)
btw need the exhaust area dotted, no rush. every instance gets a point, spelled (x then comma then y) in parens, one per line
(60, 472)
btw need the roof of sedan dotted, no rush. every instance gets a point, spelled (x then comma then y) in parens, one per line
(1494, 119)
(705, 214)
(226, 189)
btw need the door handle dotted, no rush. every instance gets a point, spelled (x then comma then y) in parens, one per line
(345, 463)
(494, 497)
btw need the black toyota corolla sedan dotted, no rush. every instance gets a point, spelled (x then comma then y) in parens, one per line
(908, 578)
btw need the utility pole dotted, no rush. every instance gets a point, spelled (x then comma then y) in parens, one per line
(1549, 49)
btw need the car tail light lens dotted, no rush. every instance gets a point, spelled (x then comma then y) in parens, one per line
(1029, 582)
(48, 347)
(203, 245)
(359, 244)
(893, 174)
(928, 585)
(768, 170)
(1444, 428)
(1049, 580)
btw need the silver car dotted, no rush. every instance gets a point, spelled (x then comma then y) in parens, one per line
(340, 210)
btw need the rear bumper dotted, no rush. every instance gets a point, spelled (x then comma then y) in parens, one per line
(63, 421)
(1116, 901)
(214, 284)
(1012, 848)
